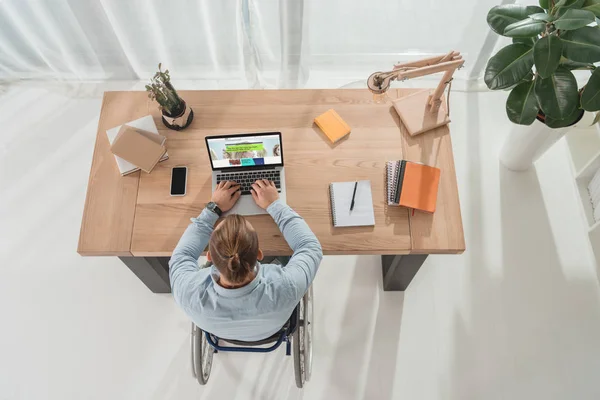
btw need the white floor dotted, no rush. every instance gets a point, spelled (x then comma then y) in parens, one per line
(517, 316)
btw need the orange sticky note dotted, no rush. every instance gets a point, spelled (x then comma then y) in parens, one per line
(332, 125)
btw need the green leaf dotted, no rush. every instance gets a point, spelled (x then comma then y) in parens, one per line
(593, 6)
(568, 121)
(541, 17)
(574, 19)
(525, 28)
(528, 41)
(499, 17)
(582, 45)
(590, 98)
(546, 55)
(573, 65)
(508, 66)
(522, 105)
(557, 95)
(528, 78)
(570, 3)
(545, 4)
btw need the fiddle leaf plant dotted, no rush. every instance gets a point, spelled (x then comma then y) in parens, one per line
(549, 41)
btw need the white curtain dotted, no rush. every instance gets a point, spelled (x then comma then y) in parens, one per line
(267, 43)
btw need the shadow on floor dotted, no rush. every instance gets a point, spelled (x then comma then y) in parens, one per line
(365, 357)
(530, 329)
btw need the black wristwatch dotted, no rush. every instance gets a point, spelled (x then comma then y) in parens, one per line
(212, 206)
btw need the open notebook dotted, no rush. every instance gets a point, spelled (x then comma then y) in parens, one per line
(341, 197)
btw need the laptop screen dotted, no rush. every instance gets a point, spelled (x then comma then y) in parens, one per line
(247, 150)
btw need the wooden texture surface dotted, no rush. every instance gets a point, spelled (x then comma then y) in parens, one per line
(442, 231)
(110, 203)
(311, 163)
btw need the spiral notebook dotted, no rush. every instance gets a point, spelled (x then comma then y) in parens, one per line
(412, 185)
(341, 198)
(392, 168)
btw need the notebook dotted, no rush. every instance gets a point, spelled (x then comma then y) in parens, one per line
(391, 173)
(147, 124)
(412, 185)
(341, 197)
(332, 125)
(137, 147)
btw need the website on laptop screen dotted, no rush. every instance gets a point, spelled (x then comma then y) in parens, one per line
(246, 151)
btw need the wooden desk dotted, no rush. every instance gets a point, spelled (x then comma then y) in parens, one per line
(135, 218)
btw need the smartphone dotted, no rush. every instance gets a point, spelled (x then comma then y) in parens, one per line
(178, 181)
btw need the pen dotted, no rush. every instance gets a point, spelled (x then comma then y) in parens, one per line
(353, 196)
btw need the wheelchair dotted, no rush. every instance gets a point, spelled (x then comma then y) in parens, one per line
(296, 333)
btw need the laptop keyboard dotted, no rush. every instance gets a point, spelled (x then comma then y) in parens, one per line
(246, 179)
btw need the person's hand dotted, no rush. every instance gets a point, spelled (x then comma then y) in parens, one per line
(226, 195)
(264, 193)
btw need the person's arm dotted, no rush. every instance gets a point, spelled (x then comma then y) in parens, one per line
(308, 253)
(302, 267)
(184, 261)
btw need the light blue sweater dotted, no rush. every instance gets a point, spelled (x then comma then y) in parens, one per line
(259, 309)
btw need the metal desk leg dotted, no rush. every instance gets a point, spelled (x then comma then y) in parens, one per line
(399, 270)
(153, 271)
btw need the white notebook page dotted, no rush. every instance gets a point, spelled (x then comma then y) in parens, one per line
(341, 197)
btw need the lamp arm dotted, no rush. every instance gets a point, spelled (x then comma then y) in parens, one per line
(379, 82)
(453, 55)
(430, 69)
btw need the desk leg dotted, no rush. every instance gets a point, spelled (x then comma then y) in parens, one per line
(399, 270)
(153, 271)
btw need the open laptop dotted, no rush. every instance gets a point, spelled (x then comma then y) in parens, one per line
(245, 158)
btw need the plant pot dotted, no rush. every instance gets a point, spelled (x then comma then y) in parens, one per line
(181, 121)
(525, 144)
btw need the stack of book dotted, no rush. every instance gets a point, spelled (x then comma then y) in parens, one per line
(137, 145)
(594, 191)
(412, 185)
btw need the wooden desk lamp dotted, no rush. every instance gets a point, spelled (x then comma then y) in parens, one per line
(424, 110)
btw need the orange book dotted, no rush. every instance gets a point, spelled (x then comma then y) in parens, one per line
(416, 186)
(332, 125)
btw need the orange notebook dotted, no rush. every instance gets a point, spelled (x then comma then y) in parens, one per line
(414, 185)
(332, 125)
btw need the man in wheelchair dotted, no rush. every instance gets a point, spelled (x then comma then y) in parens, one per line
(238, 297)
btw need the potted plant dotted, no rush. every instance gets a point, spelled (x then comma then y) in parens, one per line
(175, 113)
(549, 42)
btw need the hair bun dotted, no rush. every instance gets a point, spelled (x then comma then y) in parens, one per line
(234, 262)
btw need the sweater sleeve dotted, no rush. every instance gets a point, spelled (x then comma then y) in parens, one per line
(303, 265)
(183, 266)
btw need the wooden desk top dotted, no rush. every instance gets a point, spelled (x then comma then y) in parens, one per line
(135, 215)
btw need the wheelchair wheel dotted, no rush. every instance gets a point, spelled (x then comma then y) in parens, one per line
(202, 355)
(302, 340)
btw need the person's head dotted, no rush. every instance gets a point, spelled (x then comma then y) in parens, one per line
(233, 249)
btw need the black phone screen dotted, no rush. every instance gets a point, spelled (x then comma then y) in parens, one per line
(178, 180)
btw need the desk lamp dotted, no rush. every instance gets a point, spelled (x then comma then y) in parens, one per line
(423, 110)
